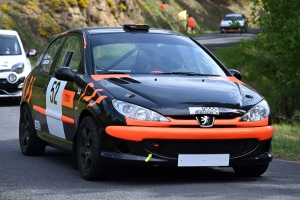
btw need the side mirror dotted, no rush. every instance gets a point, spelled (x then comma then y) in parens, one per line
(236, 73)
(65, 74)
(32, 52)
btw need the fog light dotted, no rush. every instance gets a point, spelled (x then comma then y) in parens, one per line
(21, 85)
(12, 78)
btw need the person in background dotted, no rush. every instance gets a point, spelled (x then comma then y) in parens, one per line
(190, 24)
(4, 49)
(163, 6)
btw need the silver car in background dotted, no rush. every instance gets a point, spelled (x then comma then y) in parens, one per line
(234, 23)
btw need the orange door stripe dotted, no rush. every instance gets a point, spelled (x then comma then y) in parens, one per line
(39, 109)
(67, 119)
(68, 98)
(135, 133)
(62, 118)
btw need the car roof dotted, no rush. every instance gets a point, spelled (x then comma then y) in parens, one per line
(102, 29)
(233, 14)
(8, 32)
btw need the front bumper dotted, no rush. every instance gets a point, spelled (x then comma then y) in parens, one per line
(131, 145)
(11, 89)
(230, 30)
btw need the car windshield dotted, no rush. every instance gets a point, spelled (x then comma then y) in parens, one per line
(9, 45)
(150, 53)
(229, 18)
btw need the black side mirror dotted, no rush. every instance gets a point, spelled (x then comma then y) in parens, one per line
(236, 73)
(65, 74)
(32, 52)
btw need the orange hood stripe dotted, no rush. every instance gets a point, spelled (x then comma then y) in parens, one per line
(87, 98)
(28, 88)
(99, 77)
(135, 133)
(88, 85)
(97, 101)
(30, 93)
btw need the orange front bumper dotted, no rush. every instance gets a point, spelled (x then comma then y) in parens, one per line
(138, 133)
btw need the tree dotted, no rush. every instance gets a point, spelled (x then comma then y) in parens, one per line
(280, 42)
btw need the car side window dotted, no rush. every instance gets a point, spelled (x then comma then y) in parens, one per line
(49, 55)
(71, 54)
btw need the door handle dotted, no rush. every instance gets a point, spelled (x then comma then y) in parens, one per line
(45, 88)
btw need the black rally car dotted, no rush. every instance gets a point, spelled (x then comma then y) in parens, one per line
(141, 96)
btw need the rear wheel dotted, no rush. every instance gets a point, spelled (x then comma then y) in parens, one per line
(89, 150)
(29, 142)
(251, 170)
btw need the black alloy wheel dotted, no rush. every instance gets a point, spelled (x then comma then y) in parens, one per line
(251, 170)
(89, 150)
(28, 139)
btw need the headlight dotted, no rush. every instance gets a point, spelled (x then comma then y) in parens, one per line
(18, 68)
(259, 112)
(137, 112)
(12, 78)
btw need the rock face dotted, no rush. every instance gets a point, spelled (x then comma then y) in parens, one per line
(41, 19)
(105, 13)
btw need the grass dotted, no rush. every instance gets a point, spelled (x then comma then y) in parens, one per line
(286, 141)
(286, 138)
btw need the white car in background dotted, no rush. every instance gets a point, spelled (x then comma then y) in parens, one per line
(227, 21)
(14, 64)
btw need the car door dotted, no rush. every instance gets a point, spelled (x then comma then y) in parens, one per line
(60, 95)
(40, 75)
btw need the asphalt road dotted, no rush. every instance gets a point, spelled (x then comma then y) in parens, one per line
(216, 40)
(51, 176)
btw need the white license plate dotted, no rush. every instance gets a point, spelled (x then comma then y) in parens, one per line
(197, 160)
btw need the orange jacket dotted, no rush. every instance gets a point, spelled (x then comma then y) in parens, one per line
(162, 6)
(191, 22)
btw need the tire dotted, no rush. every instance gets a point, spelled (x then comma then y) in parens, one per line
(89, 150)
(251, 170)
(28, 139)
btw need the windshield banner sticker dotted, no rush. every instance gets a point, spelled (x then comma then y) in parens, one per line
(204, 110)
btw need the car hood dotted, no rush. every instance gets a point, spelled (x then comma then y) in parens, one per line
(6, 62)
(175, 94)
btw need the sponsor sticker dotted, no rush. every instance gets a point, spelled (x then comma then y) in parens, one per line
(204, 110)
(37, 125)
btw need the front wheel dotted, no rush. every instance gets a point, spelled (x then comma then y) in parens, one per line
(29, 141)
(251, 170)
(89, 150)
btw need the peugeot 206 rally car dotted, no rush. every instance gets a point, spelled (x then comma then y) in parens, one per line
(14, 64)
(141, 96)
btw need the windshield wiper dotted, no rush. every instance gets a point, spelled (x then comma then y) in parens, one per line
(189, 73)
(113, 73)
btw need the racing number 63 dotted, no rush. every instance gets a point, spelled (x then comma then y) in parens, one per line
(54, 90)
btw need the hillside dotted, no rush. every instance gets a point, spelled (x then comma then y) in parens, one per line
(37, 20)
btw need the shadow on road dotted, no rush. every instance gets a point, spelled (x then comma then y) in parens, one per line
(8, 102)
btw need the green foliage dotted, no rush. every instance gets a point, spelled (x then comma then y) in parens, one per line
(57, 5)
(235, 24)
(279, 43)
(83, 3)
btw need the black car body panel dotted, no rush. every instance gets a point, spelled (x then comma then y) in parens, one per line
(179, 100)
